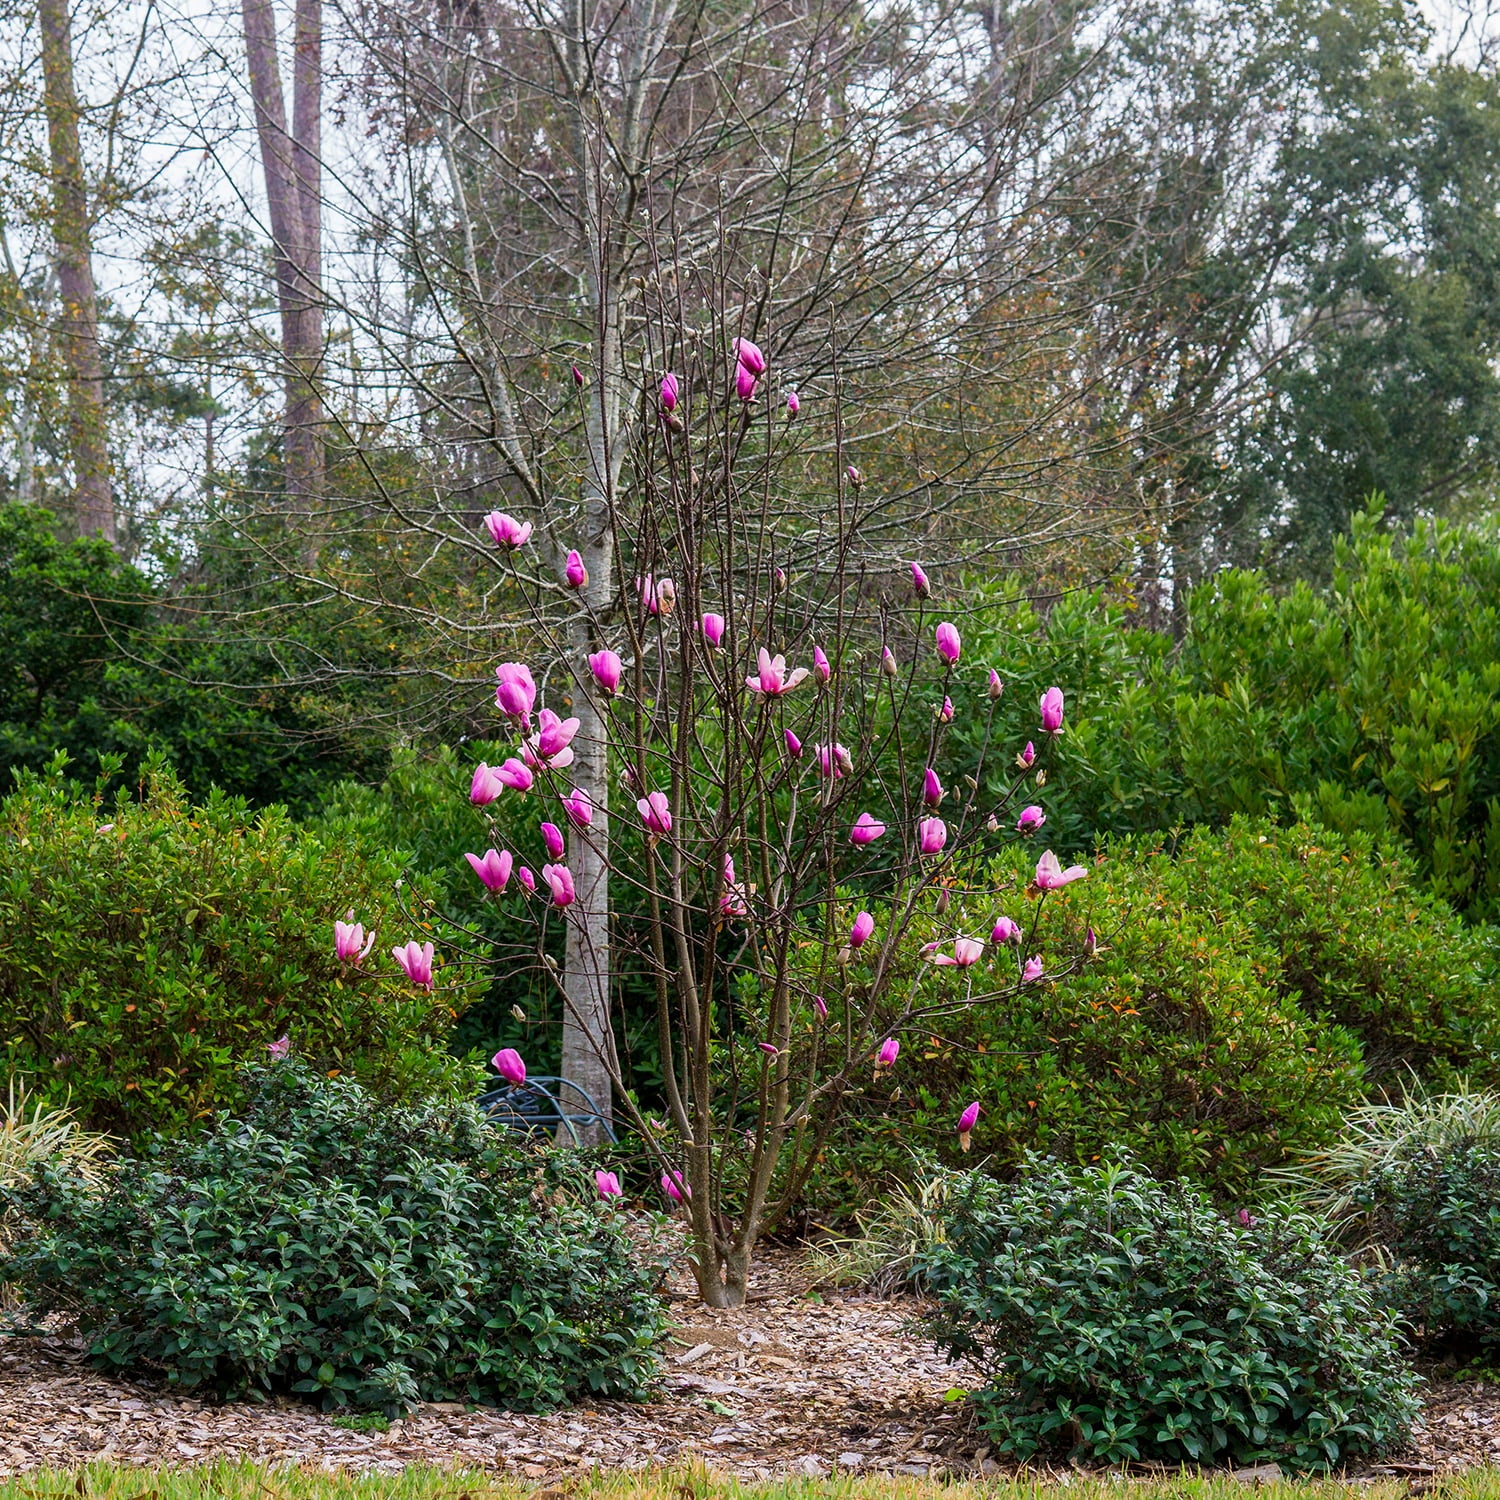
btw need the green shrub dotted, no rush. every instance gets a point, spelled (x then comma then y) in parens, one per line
(1371, 706)
(1253, 984)
(1115, 1317)
(148, 947)
(330, 1244)
(1414, 1185)
(1435, 1213)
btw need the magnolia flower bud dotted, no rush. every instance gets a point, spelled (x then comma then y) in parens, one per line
(855, 477)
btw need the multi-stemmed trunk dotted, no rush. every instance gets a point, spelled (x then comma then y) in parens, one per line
(78, 324)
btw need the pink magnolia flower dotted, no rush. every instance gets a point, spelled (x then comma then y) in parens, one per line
(778, 577)
(854, 476)
(821, 669)
(675, 1188)
(658, 595)
(607, 669)
(670, 392)
(350, 943)
(945, 713)
(834, 760)
(948, 643)
(575, 573)
(1052, 710)
(745, 383)
(769, 1048)
(1030, 820)
(559, 880)
(932, 789)
(549, 746)
(866, 829)
(793, 744)
(772, 678)
(577, 376)
(515, 775)
(932, 834)
(279, 1048)
(890, 1050)
(527, 879)
(713, 628)
(996, 686)
(732, 902)
(888, 661)
(416, 960)
(552, 837)
(607, 1184)
(966, 1123)
(1050, 875)
(579, 807)
(508, 1064)
(655, 813)
(820, 1005)
(859, 933)
(515, 692)
(506, 531)
(484, 786)
(494, 869)
(793, 405)
(919, 581)
(966, 953)
(748, 356)
(1032, 972)
(1025, 758)
(1005, 931)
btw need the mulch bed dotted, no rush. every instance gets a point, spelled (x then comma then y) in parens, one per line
(785, 1385)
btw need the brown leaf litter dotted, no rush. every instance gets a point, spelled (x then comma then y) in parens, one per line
(788, 1384)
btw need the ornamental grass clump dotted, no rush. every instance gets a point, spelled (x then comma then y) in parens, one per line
(1115, 1317)
(357, 1254)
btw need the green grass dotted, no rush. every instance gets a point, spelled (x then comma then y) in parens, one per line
(247, 1481)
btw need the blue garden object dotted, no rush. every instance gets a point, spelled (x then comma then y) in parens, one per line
(536, 1108)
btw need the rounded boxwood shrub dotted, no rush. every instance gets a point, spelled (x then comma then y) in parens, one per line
(148, 947)
(1116, 1317)
(329, 1244)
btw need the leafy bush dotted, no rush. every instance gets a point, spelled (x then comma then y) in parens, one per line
(1252, 985)
(149, 947)
(1415, 1185)
(332, 1245)
(1115, 1317)
(1370, 707)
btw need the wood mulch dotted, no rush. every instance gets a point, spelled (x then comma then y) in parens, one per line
(788, 1384)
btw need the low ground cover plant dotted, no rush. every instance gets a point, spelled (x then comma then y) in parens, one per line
(1117, 1317)
(358, 1254)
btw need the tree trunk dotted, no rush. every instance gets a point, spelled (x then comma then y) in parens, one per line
(93, 503)
(291, 161)
(587, 1040)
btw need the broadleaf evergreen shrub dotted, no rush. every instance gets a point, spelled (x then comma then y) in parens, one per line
(1116, 1318)
(148, 947)
(1253, 985)
(360, 1254)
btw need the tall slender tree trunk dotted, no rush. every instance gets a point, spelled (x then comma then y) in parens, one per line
(291, 160)
(93, 502)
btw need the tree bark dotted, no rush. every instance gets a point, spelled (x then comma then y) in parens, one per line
(93, 502)
(291, 160)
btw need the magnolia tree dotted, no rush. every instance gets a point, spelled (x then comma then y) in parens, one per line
(772, 704)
